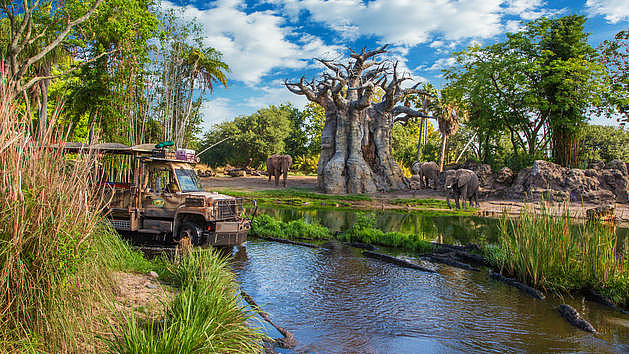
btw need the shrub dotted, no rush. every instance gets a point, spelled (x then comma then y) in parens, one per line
(266, 226)
(364, 231)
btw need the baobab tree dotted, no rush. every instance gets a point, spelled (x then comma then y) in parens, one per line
(356, 152)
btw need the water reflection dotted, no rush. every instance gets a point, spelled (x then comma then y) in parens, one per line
(334, 300)
(443, 229)
(455, 229)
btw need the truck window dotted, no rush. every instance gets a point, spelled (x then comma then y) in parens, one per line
(160, 180)
(188, 180)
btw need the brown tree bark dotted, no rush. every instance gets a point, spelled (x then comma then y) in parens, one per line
(356, 152)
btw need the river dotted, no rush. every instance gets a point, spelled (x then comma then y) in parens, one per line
(335, 300)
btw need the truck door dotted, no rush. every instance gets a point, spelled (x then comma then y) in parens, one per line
(159, 199)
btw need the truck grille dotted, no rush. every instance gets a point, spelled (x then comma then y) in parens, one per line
(227, 208)
(121, 224)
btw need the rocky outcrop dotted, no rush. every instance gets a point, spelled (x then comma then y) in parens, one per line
(617, 165)
(546, 180)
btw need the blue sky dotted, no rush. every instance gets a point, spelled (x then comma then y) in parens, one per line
(265, 42)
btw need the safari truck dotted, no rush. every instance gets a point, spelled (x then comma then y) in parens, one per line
(155, 191)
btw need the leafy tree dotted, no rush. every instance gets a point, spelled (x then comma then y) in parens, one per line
(255, 136)
(614, 55)
(296, 143)
(604, 143)
(537, 86)
(405, 138)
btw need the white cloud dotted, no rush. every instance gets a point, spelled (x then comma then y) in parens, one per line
(442, 63)
(513, 26)
(405, 23)
(275, 95)
(613, 10)
(527, 9)
(254, 44)
(216, 111)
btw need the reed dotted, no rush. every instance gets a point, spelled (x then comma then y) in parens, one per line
(48, 215)
(549, 250)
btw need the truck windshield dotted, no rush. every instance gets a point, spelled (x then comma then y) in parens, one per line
(188, 180)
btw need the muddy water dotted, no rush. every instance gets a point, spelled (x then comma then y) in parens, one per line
(335, 300)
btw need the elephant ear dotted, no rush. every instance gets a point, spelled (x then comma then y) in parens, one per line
(463, 178)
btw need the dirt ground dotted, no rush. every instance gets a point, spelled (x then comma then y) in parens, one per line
(142, 293)
(488, 207)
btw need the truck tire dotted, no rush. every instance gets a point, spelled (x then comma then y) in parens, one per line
(192, 231)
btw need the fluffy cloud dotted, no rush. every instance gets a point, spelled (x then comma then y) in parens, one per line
(527, 9)
(216, 111)
(254, 44)
(613, 10)
(408, 23)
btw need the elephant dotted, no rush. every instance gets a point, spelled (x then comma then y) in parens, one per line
(427, 171)
(462, 184)
(277, 165)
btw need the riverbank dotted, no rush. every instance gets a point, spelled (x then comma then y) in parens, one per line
(554, 255)
(421, 200)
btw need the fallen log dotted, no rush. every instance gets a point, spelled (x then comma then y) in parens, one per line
(396, 261)
(281, 240)
(450, 261)
(593, 295)
(523, 287)
(288, 341)
(572, 316)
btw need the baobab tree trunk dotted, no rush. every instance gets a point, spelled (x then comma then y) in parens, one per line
(356, 141)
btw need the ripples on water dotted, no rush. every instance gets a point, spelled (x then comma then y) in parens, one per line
(335, 300)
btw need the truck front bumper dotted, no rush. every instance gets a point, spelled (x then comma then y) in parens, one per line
(229, 233)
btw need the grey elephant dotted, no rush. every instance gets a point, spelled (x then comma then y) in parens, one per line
(462, 184)
(277, 165)
(427, 171)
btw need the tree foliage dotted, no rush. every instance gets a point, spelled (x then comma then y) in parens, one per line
(614, 54)
(604, 143)
(536, 86)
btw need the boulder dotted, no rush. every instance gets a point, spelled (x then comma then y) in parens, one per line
(504, 176)
(483, 171)
(596, 165)
(617, 165)
(616, 182)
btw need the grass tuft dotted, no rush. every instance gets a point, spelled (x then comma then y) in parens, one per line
(204, 317)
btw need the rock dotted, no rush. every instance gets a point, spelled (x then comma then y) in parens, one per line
(483, 171)
(617, 165)
(504, 176)
(153, 274)
(596, 165)
(150, 285)
(572, 316)
(617, 183)
(601, 213)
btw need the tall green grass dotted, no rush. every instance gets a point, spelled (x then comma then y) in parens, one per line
(204, 317)
(556, 253)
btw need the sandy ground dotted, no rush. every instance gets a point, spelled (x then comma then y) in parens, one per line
(488, 207)
(142, 293)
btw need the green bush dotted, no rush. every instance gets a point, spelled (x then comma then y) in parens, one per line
(266, 226)
(364, 231)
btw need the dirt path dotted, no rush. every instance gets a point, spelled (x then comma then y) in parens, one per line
(488, 207)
